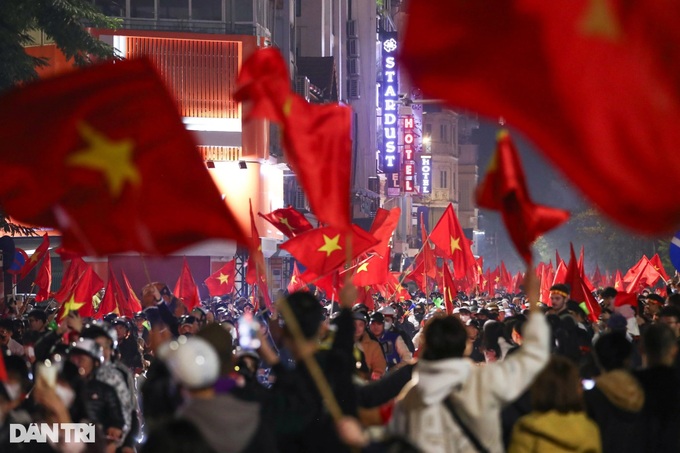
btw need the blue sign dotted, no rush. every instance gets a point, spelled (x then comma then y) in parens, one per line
(389, 153)
(674, 251)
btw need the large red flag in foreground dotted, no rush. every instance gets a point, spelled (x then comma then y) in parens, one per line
(449, 238)
(504, 189)
(119, 162)
(35, 258)
(552, 78)
(316, 137)
(222, 281)
(186, 289)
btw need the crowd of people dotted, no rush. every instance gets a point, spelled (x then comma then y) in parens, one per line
(500, 373)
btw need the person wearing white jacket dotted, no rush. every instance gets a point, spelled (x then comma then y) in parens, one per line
(476, 393)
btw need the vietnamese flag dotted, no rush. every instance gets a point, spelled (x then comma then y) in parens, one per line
(450, 292)
(504, 189)
(44, 279)
(40, 252)
(579, 290)
(288, 220)
(132, 303)
(449, 238)
(186, 289)
(81, 293)
(618, 281)
(546, 67)
(222, 281)
(113, 298)
(372, 271)
(316, 137)
(323, 250)
(75, 269)
(383, 226)
(624, 298)
(330, 284)
(655, 261)
(255, 264)
(119, 161)
(296, 283)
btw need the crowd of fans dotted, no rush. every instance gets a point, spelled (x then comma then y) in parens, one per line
(233, 376)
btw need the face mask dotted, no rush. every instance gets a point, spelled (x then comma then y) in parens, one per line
(13, 390)
(388, 325)
(65, 394)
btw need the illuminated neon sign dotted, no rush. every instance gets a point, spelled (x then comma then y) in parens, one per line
(409, 151)
(388, 103)
(425, 172)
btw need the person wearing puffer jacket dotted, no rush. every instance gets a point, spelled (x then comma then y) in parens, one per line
(558, 422)
(444, 380)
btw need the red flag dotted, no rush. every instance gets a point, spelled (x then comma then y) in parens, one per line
(288, 221)
(560, 274)
(383, 227)
(635, 270)
(449, 238)
(557, 87)
(3, 369)
(581, 267)
(655, 261)
(222, 281)
(618, 281)
(450, 291)
(558, 259)
(186, 289)
(80, 298)
(372, 271)
(113, 171)
(113, 298)
(624, 298)
(44, 279)
(597, 277)
(516, 282)
(132, 303)
(330, 284)
(73, 272)
(255, 265)
(322, 250)
(647, 276)
(579, 291)
(39, 253)
(505, 277)
(316, 137)
(296, 283)
(263, 290)
(504, 189)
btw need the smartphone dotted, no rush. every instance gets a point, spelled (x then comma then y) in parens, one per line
(248, 329)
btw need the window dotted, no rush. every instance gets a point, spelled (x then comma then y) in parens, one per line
(173, 9)
(206, 10)
(443, 133)
(142, 8)
(243, 10)
(298, 8)
(428, 130)
(443, 179)
(112, 7)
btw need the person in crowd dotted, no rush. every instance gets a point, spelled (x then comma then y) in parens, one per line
(128, 347)
(559, 295)
(188, 325)
(451, 405)
(607, 298)
(615, 402)
(558, 421)
(370, 348)
(395, 349)
(659, 379)
(7, 342)
(653, 305)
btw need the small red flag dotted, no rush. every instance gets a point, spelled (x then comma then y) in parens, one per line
(288, 220)
(296, 283)
(624, 298)
(222, 281)
(316, 137)
(186, 289)
(43, 279)
(113, 298)
(383, 226)
(655, 261)
(80, 298)
(132, 303)
(552, 79)
(323, 250)
(35, 258)
(618, 281)
(372, 271)
(579, 291)
(255, 265)
(75, 269)
(113, 172)
(449, 238)
(504, 189)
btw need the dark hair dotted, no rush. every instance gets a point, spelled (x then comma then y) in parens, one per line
(445, 338)
(612, 350)
(176, 436)
(38, 314)
(220, 339)
(609, 292)
(557, 387)
(657, 342)
(308, 312)
(674, 300)
(670, 312)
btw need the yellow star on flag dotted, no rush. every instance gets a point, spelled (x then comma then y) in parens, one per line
(497, 279)
(284, 221)
(455, 245)
(35, 257)
(600, 20)
(293, 279)
(112, 158)
(223, 278)
(330, 245)
(616, 285)
(71, 305)
(363, 268)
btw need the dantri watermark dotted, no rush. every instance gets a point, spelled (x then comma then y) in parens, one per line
(54, 432)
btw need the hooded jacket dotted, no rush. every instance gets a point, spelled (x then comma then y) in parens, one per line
(615, 404)
(556, 433)
(478, 393)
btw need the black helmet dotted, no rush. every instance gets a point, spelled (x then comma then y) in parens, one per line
(97, 329)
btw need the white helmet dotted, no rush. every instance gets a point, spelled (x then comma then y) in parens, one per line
(193, 362)
(387, 311)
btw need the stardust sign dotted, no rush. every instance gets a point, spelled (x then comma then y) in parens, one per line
(388, 103)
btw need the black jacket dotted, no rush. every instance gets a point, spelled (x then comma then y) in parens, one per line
(661, 412)
(101, 404)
